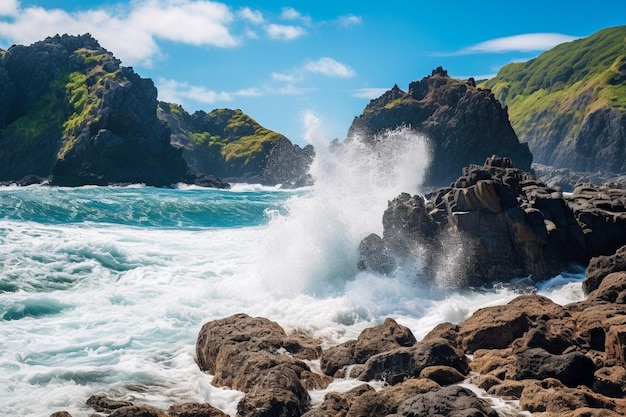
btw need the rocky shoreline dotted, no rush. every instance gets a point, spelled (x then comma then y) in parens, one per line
(550, 360)
(553, 360)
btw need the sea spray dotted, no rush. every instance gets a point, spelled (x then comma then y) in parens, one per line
(314, 248)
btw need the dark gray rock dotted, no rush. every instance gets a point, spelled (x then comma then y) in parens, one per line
(465, 124)
(601, 266)
(572, 369)
(403, 363)
(374, 340)
(453, 401)
(502, 222)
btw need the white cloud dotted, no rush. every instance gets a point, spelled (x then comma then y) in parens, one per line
(522, 43)
(284, 32)
(349, 20)
(252, 16)
(8, 7)
(132, 31)
(329, 67)
(369, 93)
(289, 13)
(173, 91)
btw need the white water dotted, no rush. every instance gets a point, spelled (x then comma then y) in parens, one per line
(121, 305)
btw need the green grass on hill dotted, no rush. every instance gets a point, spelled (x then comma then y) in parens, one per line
(570, 80)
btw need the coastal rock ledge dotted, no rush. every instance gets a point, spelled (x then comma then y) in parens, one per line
(553, 360)
(497, 223)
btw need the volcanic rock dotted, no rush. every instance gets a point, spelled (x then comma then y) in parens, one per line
(497, 223)
(452, 401)
(70, 112)
(464, 124)
(374, 340)
(256, 356)
(601, 266)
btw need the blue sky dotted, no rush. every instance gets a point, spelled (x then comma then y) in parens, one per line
(284, 63)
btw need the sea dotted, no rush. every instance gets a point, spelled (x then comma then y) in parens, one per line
(103, 289)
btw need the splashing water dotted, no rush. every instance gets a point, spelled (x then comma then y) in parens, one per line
(314, 247)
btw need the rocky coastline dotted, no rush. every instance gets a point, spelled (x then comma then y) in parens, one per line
(547, 359)
(551, 360)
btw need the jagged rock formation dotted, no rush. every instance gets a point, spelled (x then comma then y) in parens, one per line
(229, 144)
(497, 223)
(70, 112)
(569, 103)
(465, 124)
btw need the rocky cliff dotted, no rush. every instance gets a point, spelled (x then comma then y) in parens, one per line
(569, 103)
(464, 124)
(230, 144)
(69, 111)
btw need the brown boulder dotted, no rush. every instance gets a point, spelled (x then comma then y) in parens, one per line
(452, 401)
(256, 356)
(279, 393)
(403, 363)
(552, 396)
(364, 401)
(139, 411)
(442, 375)
(261, 332)
(612, 289)
(601, 266)
(195, 410)
(499, 326)
(374, 340)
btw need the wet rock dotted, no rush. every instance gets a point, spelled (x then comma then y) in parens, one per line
(139, 411)
(612, 289)
(572, 369)
(101, 402)
(195, 410)
(551, 396)
(452, 401)
(442, 375)
(256, 356)
(498, 223)
(403, 363)
(385, 337)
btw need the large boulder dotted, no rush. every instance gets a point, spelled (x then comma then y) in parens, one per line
(453, 401)
(497, 222)
(464, 124)
(601, 266)
(400, 364)
(374, 340)
(256, 356)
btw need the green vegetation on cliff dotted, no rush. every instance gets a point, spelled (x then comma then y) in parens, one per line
(235, 135)
(549, 97)
(84, 95)
(41, 123)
